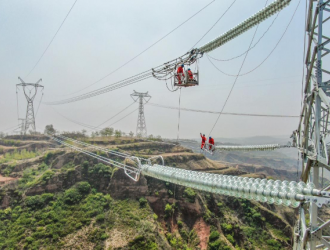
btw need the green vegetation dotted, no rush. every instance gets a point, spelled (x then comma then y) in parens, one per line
(43, 219)
(143, 202)
(10, 142)
(169, 210)
(190, 194)
(143, 243)
(18, 155)
(214, 241)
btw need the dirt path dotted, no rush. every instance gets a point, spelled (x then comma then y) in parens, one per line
(4, 180)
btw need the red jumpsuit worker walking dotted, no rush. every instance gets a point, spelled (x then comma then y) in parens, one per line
(211, 143)
(203, 140)
(180, 73)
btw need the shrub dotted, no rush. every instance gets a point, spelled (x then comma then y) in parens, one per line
(72, 196)
(47, 175)
(29, 240)
(227, 228)
(97, 235)
(274, 244)
(143, 202)
(169, 209)
(214, 236)
(100, 218)
(83, 187)
(230, 238)
(190, 194)
(141, 242)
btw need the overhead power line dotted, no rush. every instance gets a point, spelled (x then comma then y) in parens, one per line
(164, 72)
(94, 128)
(253, 46)
(239, 71)
(215, 23)
(271, 52)
(51, 41)
(224, 113)
(163, 37)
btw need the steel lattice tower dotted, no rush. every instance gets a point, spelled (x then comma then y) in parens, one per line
(143, 98)
(30, 91)
(313, 130)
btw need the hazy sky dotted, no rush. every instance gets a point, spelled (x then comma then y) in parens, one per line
(99, 36)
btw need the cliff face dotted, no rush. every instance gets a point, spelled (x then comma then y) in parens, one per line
(64, 199)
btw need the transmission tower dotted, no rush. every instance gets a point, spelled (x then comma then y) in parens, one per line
(313, 130)
(143, 98)
(30, 92)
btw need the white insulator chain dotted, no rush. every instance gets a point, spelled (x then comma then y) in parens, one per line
(278, 192)
(265, 147)
(257, 18)
(273, 192)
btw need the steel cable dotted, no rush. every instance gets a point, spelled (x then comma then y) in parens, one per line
(146, 48)
(235, 57)
(224, 113)
(214, 23)
(52, 39)
(271, 52)
(224, 105)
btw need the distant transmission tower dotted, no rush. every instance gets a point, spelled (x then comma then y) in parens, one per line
(141, 128)
(30, 92)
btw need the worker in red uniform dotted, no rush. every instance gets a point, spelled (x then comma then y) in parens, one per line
(190, 75)
(203, 140)
(211, 143)
(180, 73)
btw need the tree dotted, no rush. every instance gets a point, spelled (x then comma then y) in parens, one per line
(109, 131)
(97, 133)
(131, 134)
(118, 133)
(151, 137)
(103, 132)
(49, 129)
(2, 135)
(93, 135)
(84, 131)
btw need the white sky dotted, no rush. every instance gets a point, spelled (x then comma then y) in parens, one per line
(99, 36)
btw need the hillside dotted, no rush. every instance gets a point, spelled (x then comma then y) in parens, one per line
(54, 198)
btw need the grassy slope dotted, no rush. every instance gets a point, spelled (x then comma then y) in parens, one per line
(84, 216)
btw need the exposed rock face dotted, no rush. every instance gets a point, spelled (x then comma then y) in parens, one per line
(197, 213)
(203, 232)
(122, 187)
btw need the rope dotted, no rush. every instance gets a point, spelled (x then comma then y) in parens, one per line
(223, 107)
(214, 24)
(298, 167)
(248, 72)
(179, 116)
(52, 39)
